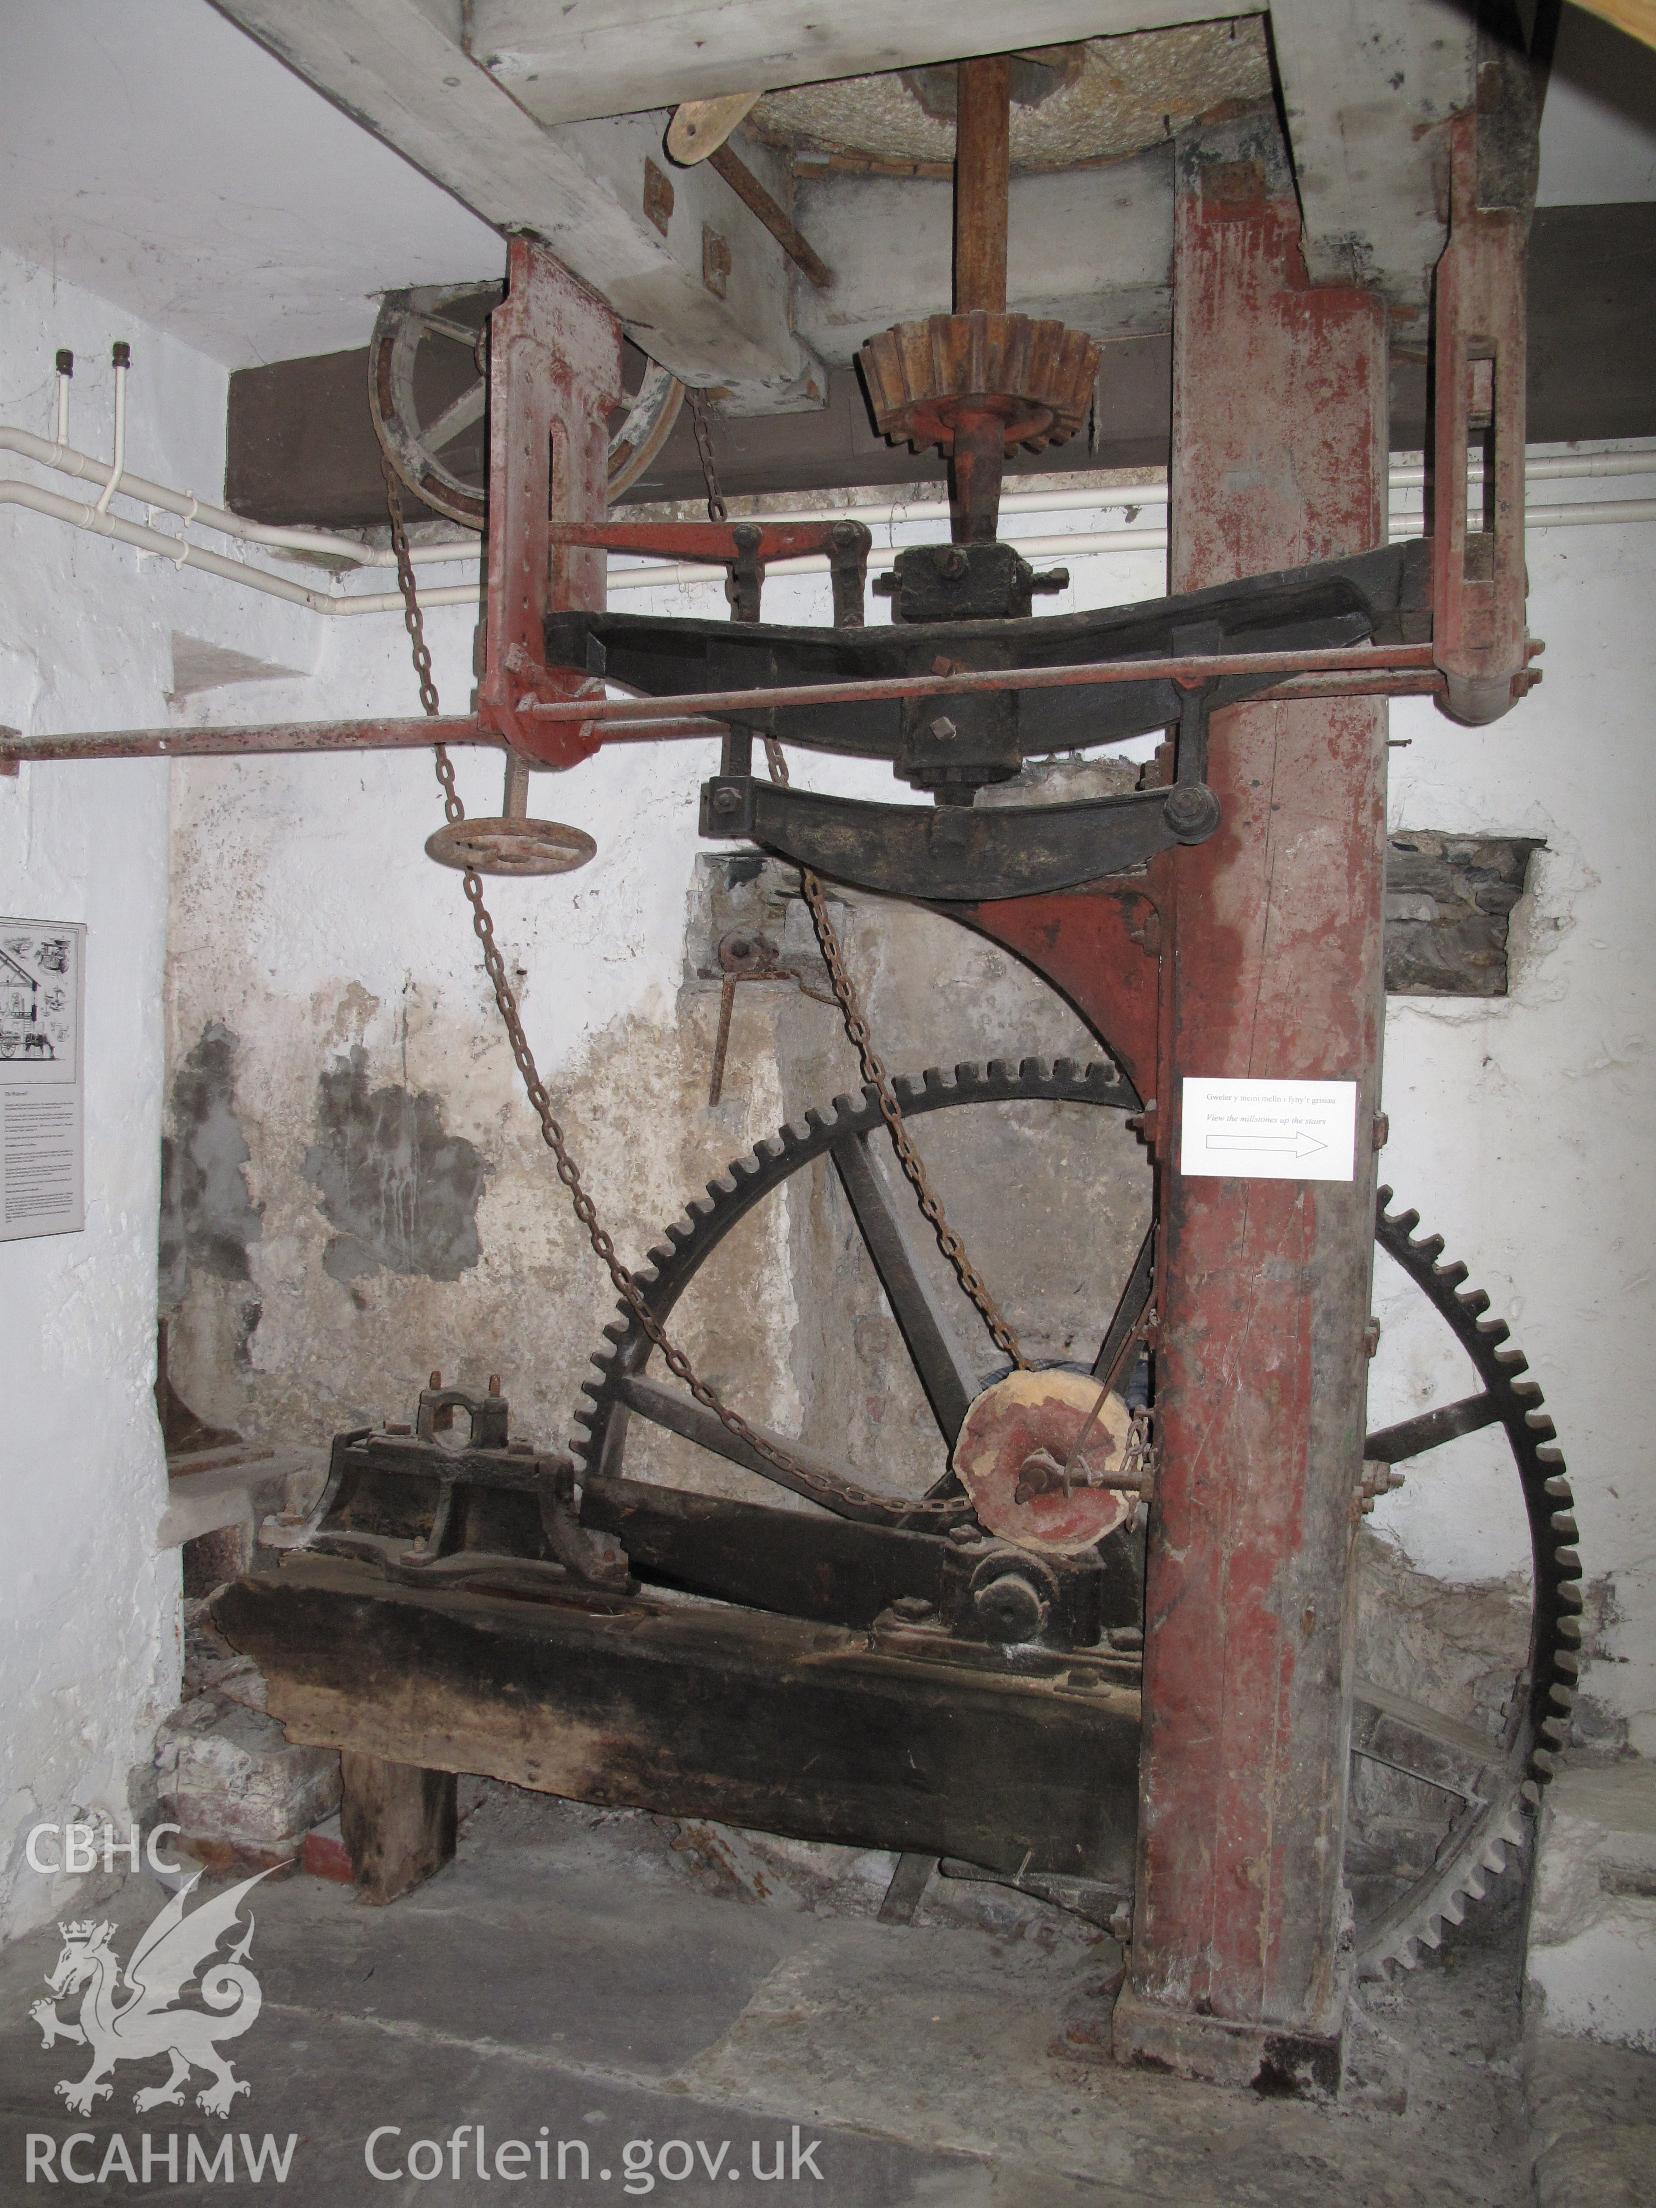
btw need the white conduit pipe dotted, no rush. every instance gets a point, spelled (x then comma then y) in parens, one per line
(649, 575)
(122, 364)
(319, 542)
(82, 516)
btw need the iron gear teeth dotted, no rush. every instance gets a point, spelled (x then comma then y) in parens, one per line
(1470, 1860)
(1539, 1724)
(747, 1180)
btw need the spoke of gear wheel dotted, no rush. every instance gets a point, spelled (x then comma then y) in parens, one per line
(1492, 1824)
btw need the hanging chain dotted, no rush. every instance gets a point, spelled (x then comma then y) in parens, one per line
(876, 1074)
(807, 1479)
(717, 510)
(874, 1070)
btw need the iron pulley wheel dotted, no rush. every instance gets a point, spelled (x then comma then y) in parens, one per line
(1488, 1772)
(428, 391)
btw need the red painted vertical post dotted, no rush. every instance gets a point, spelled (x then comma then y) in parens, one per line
(1279, 456)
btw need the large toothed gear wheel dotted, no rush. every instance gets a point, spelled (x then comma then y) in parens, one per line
(1490, 1777)
(1493, 1820)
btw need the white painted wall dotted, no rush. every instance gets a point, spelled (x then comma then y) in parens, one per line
(88, 1607)
(1524, 1131)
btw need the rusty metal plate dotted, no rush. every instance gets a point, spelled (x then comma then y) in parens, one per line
(1039, 1416)
(506, 846)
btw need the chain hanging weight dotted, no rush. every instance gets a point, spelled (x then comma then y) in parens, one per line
(809, 1479)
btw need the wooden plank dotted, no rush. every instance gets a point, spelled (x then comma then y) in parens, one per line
(301, 447)
(396, 67)
(802, 1564)
(398, 1822)
(701, 1711)
(1275, 973)
(1365, 92)
(301, 450)
(611, 56)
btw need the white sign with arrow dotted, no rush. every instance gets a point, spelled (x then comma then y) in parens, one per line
(1269, 1130)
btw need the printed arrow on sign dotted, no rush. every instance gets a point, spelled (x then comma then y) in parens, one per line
(1299, 1142)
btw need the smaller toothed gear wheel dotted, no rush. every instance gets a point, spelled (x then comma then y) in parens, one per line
(1037, 376)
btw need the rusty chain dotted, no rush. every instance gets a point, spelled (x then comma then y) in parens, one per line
(717, 510)
(874, 1070)
(878, 1077)
(808, 1479)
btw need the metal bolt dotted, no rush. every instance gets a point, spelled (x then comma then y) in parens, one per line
(942, 730)
(436, 1380)
(1050, 580)
(1191, 811)
(494, 1383)
(885, 586)
(965, 1537)
(911, 1608)
(951, 563)
(396, 1427)
(727, 800)
(1382, 1130)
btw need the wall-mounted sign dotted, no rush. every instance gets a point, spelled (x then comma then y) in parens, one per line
(1269, 1130)
(42, 991)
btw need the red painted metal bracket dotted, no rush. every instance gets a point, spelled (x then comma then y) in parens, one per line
(1480, 640)
(554, 374)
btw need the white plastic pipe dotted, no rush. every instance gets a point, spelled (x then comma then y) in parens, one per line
(319, 542)
(119, 460)
(183, 554)
(1150, 491)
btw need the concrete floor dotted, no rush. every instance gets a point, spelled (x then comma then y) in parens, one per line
(563, 1975)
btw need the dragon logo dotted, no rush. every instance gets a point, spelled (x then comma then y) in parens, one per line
(142, 2018)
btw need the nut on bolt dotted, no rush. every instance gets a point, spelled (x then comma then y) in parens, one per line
(1378, 1479)
(1191, 811)
(727, 800)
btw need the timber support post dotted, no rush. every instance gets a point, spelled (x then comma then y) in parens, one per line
(399, 1823)
(1240, 1955)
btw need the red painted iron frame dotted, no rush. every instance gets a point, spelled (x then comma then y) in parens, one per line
(554, 374)
(1142, 962)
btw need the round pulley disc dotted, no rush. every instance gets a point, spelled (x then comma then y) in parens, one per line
(1015, 1443)
(499, 845)
(428, 391)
